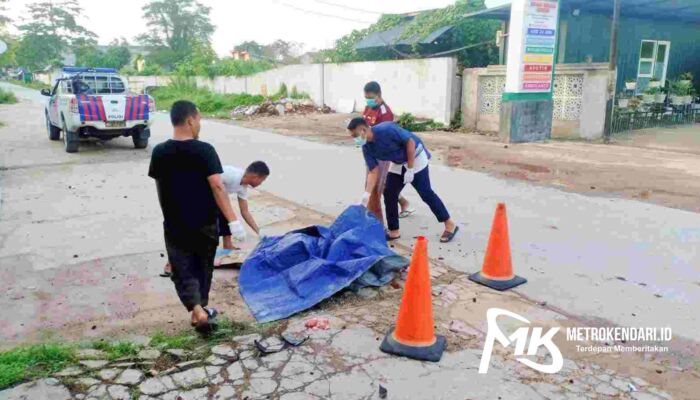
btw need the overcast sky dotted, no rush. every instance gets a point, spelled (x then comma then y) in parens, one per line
(240, 20)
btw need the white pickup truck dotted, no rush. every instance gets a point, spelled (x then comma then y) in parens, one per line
(96, 103)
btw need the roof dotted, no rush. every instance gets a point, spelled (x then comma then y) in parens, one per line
(675, 10)
(393, 37)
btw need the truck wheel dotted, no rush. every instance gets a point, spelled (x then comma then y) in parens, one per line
(70, 140)
(54, 132)
(141, 138)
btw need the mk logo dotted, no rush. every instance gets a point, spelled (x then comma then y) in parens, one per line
(520, 338)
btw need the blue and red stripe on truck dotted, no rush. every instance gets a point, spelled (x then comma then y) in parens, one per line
(91, 108)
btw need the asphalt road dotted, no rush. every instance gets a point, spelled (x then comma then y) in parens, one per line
(597, 258)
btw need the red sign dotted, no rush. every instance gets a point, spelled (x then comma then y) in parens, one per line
(537, 77)
(537, 68)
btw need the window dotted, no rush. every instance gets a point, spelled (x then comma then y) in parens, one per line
(116, 85)
(653, 62)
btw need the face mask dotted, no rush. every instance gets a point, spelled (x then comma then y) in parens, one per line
(371, 103)
(360, 141)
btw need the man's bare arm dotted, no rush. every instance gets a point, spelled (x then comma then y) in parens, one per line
(372, 177)
(247, 216)
(410, 153)
(221, 197)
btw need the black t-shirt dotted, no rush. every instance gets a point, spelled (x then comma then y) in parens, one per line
(181, 169)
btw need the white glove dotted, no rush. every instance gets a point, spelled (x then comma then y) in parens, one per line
(237, 230)
(408, 176)
(365, 199)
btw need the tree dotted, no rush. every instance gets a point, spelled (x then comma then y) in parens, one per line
(251, 46)
(177, 27)
(282, 51)
(4, 19)
(116, 55)
(51, 31)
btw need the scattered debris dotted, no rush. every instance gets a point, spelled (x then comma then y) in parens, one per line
(281, 107)
(294, 339)
(317, 323)
(382, 392)
(269, 345)
(620, 278)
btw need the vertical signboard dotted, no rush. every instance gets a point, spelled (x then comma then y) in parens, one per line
(533, 39)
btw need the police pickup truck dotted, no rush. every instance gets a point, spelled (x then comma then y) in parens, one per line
(95, 103)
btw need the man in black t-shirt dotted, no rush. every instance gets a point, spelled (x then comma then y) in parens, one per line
(190, 189)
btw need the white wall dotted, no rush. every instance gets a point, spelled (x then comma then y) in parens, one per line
(427, 88)
(422, 87)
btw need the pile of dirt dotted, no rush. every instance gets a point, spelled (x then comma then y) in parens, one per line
(281, 107)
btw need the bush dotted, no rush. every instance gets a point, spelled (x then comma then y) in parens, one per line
(409, 122)
(208, 102)
(7, 97)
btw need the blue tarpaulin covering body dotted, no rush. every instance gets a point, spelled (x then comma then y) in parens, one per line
(291, 273)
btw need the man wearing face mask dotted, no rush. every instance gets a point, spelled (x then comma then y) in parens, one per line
(190, 190)
(376, 112)
(409, 165)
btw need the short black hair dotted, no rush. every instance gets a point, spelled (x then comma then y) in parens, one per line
(258, 168)
(373, 87)
(181, 110)
(355, 122)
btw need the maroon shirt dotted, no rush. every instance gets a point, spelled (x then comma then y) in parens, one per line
(375, 116)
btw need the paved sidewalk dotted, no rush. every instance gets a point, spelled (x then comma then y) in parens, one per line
(343, 362)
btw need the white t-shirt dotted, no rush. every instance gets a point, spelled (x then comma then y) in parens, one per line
(419, 163)
(232, 181)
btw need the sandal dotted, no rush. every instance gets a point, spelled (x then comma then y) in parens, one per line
(448, 236)
(407, 213)
(389, 238)
(167, 274)
(207, 326)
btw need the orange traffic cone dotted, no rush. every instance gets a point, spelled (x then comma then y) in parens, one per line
(414, 334)
(497, 271)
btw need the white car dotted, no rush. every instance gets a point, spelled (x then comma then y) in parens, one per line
(96, 103)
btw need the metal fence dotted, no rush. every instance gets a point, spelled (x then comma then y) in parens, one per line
(654, 116)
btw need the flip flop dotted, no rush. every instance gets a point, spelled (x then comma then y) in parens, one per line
(207, 326)
(213, 312)
(448, 236)
(166, 274)
(407, 213)
(389, 238)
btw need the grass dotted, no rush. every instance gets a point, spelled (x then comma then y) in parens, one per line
(7, 97)
(208, 102)
(32, 85)
(26, 363)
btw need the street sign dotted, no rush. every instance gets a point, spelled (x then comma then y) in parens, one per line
(531, 46)
(3, 47)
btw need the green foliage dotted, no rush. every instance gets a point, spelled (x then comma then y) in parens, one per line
(465, 31)
(295, 94)
(282, 91)
(8, 58)
(116, 350)
(231, 67)
(206, 100)
(177, 25)
(32, 85)
(53, 30)
(686, 76)
(30, 362)
(409, 122)
(682, 88)
(653, 90)
(117, 55)
(7, 97)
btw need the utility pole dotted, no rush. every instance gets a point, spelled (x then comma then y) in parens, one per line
(612, 76)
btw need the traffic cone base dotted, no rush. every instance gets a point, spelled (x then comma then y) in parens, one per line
(498, 284)
(431, 352)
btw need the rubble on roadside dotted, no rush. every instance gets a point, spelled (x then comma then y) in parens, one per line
(280, 107)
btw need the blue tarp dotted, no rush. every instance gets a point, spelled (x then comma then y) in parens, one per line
(288, 274)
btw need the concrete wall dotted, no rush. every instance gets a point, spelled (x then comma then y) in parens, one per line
(427, 88)
(579, 99)
(422, 87)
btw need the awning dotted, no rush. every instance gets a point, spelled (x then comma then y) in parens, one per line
(392, 37)
(657, 10)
